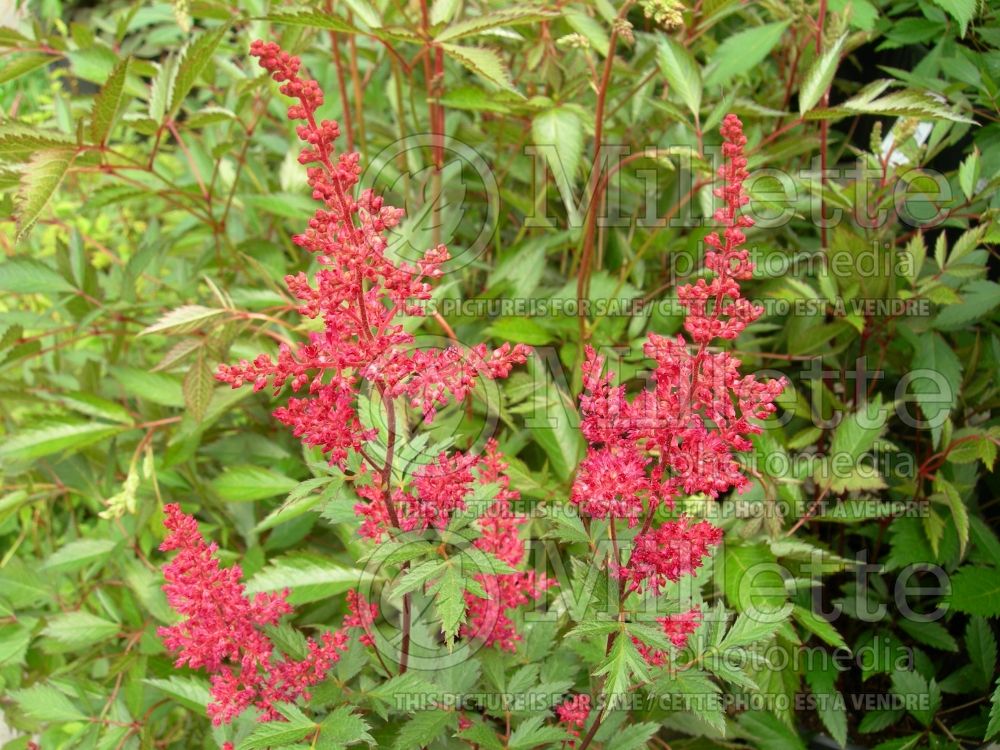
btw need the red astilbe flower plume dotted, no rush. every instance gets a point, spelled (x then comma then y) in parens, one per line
(489, 619)
(678, 628)
(222, 630)
(573, 713)
(359, 293)
(684, 433)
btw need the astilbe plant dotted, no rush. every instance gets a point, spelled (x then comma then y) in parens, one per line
(361, 295)
(681, 436)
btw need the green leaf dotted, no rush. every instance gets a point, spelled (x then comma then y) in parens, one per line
(301, 500)
(194, 59)
(505, 17)
(962, 11)
(519, 330)
(830, 704)
(976, 591)
(108, 103)
(279, 733)
(248, 483)
(485, 63)
(23, 275)
(78, 554)
(937, 376)
(981, 645)
(21, 140)
(978, 298)
(199, 385)
(24, 64)
(424, 728)
(748, 629)
(681, 72)
(968, 174)
(184, 319)
(994, 726)
(743, 52)
(857, 432)
(554, 422)
(449, 599)
(769, 731)
(903, 103)
(64, 437)
(820, 75)
(818, 626)
(311, 20)
(310, 578)
(946, 493)
(622, 665)
(154, 387)
(45, 703)
(532, 732)
(635, 736)
(190, 692)
(932, 634)
(558, 133)
(343, 727)
(80, 629)
(752, 580)
(41, 178)
(911, 684)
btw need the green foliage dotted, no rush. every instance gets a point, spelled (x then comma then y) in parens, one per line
(150, 199)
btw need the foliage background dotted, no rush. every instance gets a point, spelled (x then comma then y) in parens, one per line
(146, 170)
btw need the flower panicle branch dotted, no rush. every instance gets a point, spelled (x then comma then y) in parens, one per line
(683, 434)
(360, 293)
(223, 630)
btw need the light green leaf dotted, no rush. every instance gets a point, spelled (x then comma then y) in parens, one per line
(194, 59)
(154, 387)
(303, 498)
(310, 578)
(41, 178)
(558, 134)
(64, 437)
(45, 703)
(78, 630)
(511, 16)
(108, 103)
(936, 382)
(23, 275)
(199, 385)
(968, 174)
(343, 727)
(248, 483)
(311, 19)
(190, 692)
(743, 52)
(424, 728)
(485, 63)
(681, 72)
(622, 666)
(184, 319)
(22, 65)
(280, 733)
(962, 11)
(78, 554)
(820, 75)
